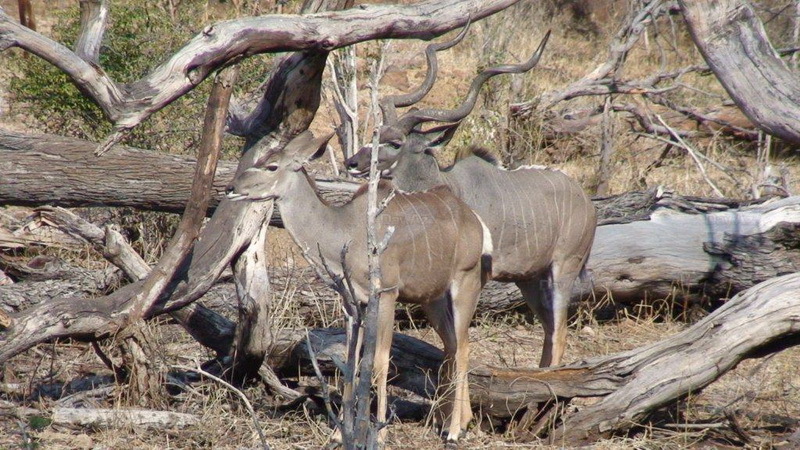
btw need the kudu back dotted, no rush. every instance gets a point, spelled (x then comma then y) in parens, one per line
(542, 222)
(436, 257)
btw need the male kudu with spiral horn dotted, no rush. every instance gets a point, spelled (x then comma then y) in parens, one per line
(541, 221)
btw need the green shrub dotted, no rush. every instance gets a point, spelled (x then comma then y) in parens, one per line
(138, 39)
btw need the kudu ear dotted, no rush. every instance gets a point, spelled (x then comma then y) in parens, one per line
(441, 135)
(306, 147)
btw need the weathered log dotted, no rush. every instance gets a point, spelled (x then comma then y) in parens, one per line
(665, 256)
(676, 252)
(631, 385)
(119, 418)
(44, 169)
(293, 97)
(96, 318)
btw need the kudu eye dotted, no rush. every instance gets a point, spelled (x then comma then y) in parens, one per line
(271, 167)
(229, 189)
(395, 144)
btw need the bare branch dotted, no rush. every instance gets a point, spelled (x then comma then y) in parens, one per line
(204, 325)
(189, 228)
(619, 47)
(323, 384)
(239, 393)
(693, 154)
(127, 105)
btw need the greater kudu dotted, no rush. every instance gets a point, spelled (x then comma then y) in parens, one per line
(437, 257)
(542, 222)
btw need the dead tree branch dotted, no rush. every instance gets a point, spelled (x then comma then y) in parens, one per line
(630, 385)
(127, 105)
(735, 45)
(596, 82)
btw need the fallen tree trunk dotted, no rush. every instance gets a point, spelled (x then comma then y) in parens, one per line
(659, 256)
(45, 169)
(99, 418)
(670, 255)
(632, 385)
(648, 245)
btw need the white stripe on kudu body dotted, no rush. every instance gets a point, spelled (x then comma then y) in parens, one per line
(542, 223)
(435, 258)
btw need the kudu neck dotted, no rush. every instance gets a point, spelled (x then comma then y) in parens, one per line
(316, 226)
(418, 173)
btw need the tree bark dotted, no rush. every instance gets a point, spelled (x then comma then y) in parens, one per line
(735, 45)
(659, 256)
(96, 418)
(631, 385)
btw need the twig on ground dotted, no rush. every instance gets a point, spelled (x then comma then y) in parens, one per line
(236, 391)
(323, 384)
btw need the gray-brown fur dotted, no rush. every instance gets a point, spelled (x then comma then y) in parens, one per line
(480, 152)
(434, 257)
(542, 226)
(542, 223)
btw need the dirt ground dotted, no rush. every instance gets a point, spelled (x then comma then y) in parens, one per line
(756, 404)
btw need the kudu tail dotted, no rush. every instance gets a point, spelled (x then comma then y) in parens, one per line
(486, 251)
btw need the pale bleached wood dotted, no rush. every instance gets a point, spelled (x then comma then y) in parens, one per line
(658, 257)
(665, 256)
(121, 418)
(196, 205)
(95, 318)
(735, 45)
(630, 385)
(94, 18)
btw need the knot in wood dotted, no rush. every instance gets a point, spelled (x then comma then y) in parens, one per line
(194, 76)
(327, 43)
(208, 30)
(66, 320)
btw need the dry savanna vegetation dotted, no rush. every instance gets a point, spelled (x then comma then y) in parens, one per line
(667, 125)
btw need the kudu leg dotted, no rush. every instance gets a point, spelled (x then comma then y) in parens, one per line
(549, 298)
(465, 299)
(383, 347)
(551, 311)
(450, 317)
(440, 316)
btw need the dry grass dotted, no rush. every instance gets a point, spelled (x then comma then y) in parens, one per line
(763, 395)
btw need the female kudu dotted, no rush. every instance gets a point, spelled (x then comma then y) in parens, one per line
(435, 258)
